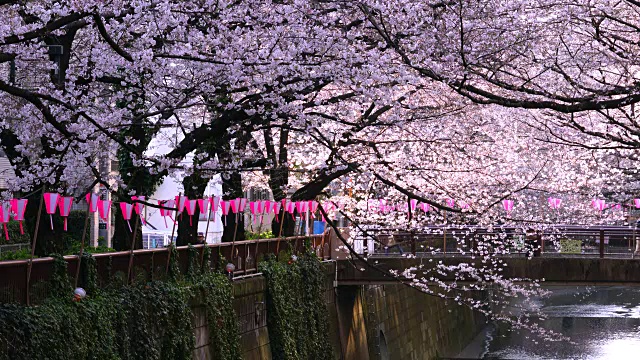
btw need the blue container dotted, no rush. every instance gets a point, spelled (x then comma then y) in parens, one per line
(318, 227)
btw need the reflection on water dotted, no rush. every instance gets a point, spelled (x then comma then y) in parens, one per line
(603, 322)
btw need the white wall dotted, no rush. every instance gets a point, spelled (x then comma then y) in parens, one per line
(172, 186)
(169, 189)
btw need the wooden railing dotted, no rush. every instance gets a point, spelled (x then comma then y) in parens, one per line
(602, 241)
(150, 264)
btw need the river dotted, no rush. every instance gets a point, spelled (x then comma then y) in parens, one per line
(602, 322)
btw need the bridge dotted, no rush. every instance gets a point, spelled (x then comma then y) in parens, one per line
(561, 240)
(557, 254)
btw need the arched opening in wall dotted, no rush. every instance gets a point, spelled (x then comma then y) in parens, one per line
(384, 351)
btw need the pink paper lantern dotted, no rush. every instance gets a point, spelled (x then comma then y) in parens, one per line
(425, 207)
(165, 206)
(599, 204)
(554, 203)
(5, 216)
(191, 209)
(637, 203)
(214, 202)
(301, 207)
(202, 205)
(235, 205)
(18, 207)
(508, 205)
(267, 206)
(64, 205)
(384, 208)
(255, 207)
(127, 211)
(276, 210)
(262, 208)
(313, 207)
(413, 203)
(103, 209)
(291, 209)
(139, 207)
(51, 202)
(92, 201)
(225, 207)
(180, 203)
(451, 203)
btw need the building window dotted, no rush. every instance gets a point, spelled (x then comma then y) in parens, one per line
(255, 194)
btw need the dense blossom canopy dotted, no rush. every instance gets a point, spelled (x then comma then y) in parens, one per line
(477, 101)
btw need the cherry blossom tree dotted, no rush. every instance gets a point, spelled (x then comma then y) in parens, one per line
(477, 102)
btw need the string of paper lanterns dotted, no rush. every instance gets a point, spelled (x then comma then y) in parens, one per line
(56, 203)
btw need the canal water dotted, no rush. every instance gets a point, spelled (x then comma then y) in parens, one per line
(602, 322)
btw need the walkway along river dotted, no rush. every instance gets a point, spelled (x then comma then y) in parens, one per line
(603, 322)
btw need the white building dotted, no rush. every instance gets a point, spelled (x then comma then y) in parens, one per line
(6, 171)
(157, 232)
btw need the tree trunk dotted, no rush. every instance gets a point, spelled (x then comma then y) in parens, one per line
(49, 241)
(288, 228)
(194, 186)
(122, 236)
(233, 188)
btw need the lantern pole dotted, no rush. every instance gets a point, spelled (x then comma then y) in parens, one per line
(33, 246)
(172, 232)
(84, 233)
(132, 246)
(206, 231)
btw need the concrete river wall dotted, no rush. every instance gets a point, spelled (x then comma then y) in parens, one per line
(367, 322)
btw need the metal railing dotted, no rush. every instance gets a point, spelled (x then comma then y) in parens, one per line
(560, 240)
(13, 247)
(148, 264)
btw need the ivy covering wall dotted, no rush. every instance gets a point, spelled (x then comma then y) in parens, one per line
(143, 321)
(296, 310)
(154, 320)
